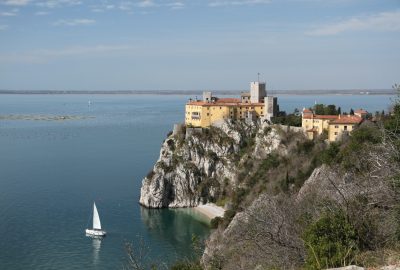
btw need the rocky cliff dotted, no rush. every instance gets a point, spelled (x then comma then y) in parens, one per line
(195, 169)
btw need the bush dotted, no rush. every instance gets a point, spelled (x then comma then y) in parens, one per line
(215, 222)
(186, 265)
(366, 133)
(150, 174)
(329, 155)
(331, 242)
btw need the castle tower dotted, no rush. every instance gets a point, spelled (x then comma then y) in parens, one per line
(257, 92)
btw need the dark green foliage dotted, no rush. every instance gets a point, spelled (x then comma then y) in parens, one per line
(271, 161)
(186, 265)
(289, 120)
(228, 216)
(171, 144)
(169, 133)
(267, 130)
(366, 133)
(212, 155)
(329, 155)
(215, 222)
(305, 146)
(150, 174)
(238, 196)
(319, 109)
(360, 139)
(247, 145)
(285, 183)
(162, 165)
(331, 241)
(322, 109)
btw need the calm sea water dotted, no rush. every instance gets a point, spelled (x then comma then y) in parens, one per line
(51, 171)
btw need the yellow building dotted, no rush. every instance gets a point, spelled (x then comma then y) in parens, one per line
(204, 114)
(314, 124)
(343, 124)
(335, 125)
(213, 110)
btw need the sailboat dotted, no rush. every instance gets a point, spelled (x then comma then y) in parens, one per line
(96, 230)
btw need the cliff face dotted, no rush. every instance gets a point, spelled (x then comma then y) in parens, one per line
(191, 171)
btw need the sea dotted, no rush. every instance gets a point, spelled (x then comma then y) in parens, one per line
(60, 153)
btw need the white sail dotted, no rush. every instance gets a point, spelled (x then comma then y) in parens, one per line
(96, 218)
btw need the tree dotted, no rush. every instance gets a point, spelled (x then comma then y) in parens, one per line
(339, 110)
(319, 109)
(351, 111)
(331, 241)
(330, 110)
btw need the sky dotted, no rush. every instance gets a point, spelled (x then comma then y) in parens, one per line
(199, 44)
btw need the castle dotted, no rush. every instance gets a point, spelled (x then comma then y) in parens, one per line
(251, 106)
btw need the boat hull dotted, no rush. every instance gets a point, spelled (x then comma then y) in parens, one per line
(96, 233)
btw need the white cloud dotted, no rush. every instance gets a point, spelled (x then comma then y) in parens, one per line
(58, 3)
(176, 5)
(79, 50)
(43, 56)
(146, 3)
(41, 13)
(385, 21)
(218, 3)
(75, 22)
(15, 2)
(8, 13)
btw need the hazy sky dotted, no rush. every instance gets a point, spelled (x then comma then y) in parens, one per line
(198, 44)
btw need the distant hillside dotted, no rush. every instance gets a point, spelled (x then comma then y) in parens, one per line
(199, 92)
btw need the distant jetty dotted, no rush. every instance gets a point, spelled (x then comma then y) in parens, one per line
(199, 92)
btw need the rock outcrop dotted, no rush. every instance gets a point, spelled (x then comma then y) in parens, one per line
(193, 170)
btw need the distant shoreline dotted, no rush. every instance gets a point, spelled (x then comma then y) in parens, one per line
(197, 92)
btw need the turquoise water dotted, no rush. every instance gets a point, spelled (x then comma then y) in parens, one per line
(51, 171)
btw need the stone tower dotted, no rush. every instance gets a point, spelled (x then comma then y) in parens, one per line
(257, 92)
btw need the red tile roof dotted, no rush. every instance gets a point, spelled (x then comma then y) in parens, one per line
(228, 100)
(347, 119)
(224, 102)
(316, 116)
(307, 110)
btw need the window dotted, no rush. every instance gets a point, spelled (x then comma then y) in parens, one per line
(220, 108)
(208, 114)
(336, 126)
(345, 127)
(336, 133)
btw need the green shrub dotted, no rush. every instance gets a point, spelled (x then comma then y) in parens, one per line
(328, 156)
(331, 241)
(186, 265)
(150, 174)
(305, 146)
(367, 133)
(215, 222)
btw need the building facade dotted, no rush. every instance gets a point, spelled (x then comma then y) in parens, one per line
(335, 125)
(251, 106)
